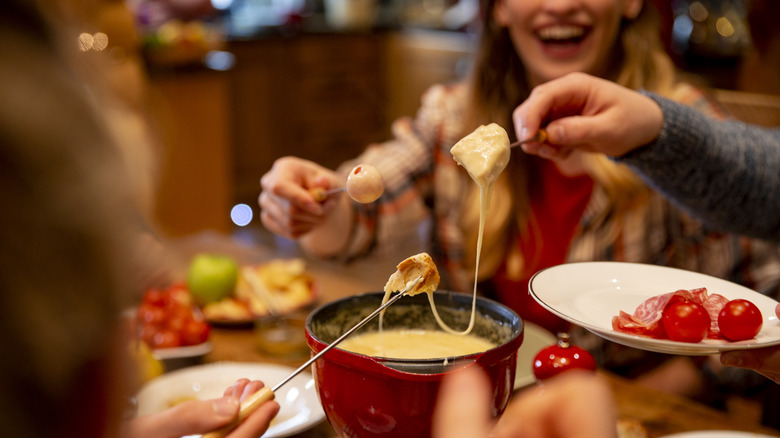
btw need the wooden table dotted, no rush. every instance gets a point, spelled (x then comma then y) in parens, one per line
(660, 413)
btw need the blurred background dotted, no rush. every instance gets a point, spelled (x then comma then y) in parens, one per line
(231, 85)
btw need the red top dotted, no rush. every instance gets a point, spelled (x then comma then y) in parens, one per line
(557, 202)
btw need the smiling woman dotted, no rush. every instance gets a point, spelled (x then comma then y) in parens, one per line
(582, 208)
(555, 38)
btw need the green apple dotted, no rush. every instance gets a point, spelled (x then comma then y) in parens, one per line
(211, 277)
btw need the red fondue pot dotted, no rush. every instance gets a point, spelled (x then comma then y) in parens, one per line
(366, 396)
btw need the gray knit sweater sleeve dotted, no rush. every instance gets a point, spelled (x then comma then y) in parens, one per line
(726, 173)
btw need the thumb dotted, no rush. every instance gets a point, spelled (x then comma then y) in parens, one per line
(203, 416)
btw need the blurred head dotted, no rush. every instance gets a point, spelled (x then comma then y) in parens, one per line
(64, 222)
(556, 37)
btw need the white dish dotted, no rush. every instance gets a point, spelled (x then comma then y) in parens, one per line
(534, 339)
(589, 294)
(182, 352)
(716, 434)
(300, 406)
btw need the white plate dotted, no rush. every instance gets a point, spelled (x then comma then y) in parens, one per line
(182, 352)
(534, 339)
(300, 405)
(716, 434)
(589, 294)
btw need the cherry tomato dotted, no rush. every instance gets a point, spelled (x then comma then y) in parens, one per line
(177, 323)
(151, 315)
(166, 339)
(195, 332)
(563, 356)
(148, 332)
(168, 319)
(179, 296)
(685, 321)
(155, 297)
(740, 320)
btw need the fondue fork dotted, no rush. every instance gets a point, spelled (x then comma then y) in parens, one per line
(255, 400)
(540, 136)
(321, 195)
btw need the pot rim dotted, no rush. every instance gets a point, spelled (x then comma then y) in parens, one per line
(496, 353)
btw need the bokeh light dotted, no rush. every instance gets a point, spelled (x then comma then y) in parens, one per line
(241, 215)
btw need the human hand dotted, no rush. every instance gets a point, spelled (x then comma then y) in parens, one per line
(201, 416)
(572, 405)
(588, 113)
(288, 208)
(765, 361)
(462, 406)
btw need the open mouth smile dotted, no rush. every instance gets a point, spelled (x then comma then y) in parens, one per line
(562, 36)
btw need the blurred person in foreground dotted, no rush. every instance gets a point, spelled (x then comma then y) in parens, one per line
(575, 404)
(68, 221)
(726, 172)
(543, 213)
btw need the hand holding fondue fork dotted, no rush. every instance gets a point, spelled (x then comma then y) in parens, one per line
(253, 402)
(292, 202)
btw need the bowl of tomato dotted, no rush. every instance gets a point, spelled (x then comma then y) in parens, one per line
(170, 323)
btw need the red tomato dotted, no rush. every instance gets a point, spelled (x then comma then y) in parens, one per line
(195, 332)
(155, 297)
(563, 356)
(179, 311)
(151, 315)
(685, 321)
(166, 339)
(168, 319)
(177, 323)
(740, 320)
(179, 296)
(148, 332)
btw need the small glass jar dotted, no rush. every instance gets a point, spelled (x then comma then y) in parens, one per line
(282, 336)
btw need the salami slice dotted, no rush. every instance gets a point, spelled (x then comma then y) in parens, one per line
(713, 305)
(646, 319)
(630, 324)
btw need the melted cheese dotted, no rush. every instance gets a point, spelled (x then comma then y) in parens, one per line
(484, 154)
(415, 344)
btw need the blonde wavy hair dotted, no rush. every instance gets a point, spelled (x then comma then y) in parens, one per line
(498, 84)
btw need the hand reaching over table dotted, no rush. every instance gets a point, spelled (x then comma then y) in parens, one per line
(588, 113)
(573, 405)
(201, 416)
(289, 207)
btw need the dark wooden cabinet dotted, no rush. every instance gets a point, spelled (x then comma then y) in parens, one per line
(316, 96)
(319, 96)
(192, 112)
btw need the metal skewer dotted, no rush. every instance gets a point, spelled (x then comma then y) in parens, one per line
(321, 195)
(255, 400)
(540, 136)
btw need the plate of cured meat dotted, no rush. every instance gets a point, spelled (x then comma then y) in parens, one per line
(624, 303)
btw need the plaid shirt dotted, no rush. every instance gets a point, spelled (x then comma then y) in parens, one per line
(423, 185)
